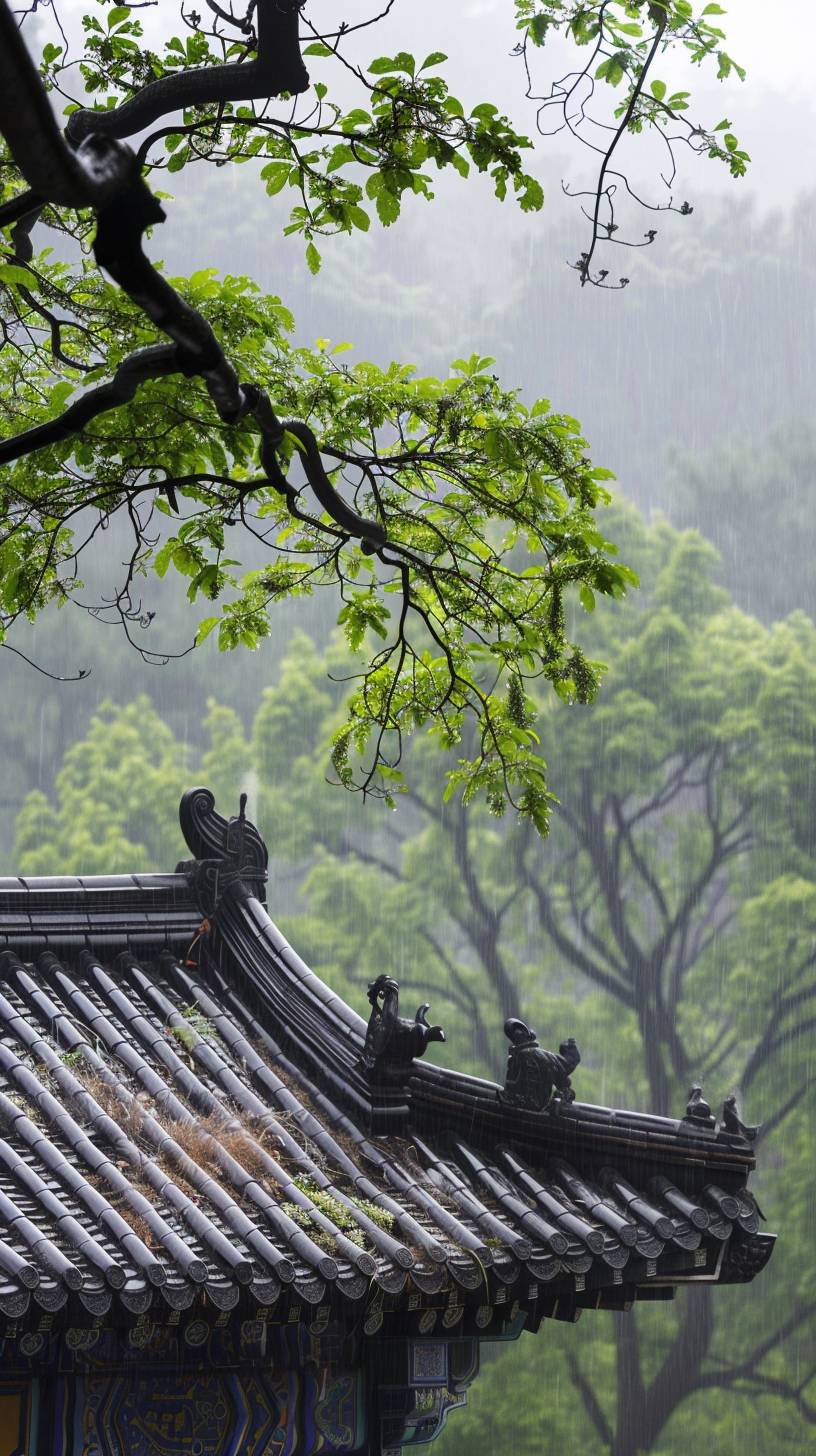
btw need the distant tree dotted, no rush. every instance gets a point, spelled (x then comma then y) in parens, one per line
(450, 518)
(116, 799)
(753, 500)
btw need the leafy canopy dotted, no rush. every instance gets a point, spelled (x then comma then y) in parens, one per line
(486, 503)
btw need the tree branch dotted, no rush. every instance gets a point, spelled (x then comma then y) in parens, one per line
(572, 952)
(727, 1375)
(277, 67)
(592, 1405)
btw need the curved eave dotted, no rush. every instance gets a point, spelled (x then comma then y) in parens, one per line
(143, 911)
(330, 1035)
(504, 1209)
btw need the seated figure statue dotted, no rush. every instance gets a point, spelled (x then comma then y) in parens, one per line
(535, 1077)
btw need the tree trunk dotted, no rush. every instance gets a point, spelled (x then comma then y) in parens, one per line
(631, 1392)
(643, 1411)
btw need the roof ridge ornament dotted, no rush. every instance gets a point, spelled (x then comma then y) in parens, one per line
(392, 1041)
(731, 1121)
(229, 854)
(698, 1110)
(535, 1077)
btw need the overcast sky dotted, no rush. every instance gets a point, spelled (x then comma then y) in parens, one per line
(773, 111)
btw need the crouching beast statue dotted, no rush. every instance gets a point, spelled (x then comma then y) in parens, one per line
(392, 1041)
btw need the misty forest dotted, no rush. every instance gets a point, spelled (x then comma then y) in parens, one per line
(411, 428)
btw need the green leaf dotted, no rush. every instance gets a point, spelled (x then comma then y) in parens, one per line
(384, 65)
(60, 393)
(205, 628)
(587, 597)
(485, 111)
(359, 217)
(164, 556)
(312, 258)
(276, 176)
(13, 273)
(388, 207)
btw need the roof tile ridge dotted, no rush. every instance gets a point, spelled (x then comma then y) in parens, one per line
(242, 1226)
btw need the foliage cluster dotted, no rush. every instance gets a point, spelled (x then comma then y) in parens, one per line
(626, 40)
(487, 507)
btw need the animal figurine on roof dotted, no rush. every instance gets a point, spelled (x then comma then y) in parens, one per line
(392, 1041)
(536, 1077)
(732, 1122)
(698, 1110)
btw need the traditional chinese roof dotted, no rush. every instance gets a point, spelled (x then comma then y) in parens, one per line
(192, 1120)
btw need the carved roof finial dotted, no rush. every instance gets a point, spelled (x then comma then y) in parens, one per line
(392, 1041)
(732, 1122)
(228, 852)
(697, 1109)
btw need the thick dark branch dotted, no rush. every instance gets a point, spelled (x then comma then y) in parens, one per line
(581, 919)
(277, 67)
(155, 362)
(675, 784)
(772, 1041)
(591, 828)
(28, 124)
(701, 935)
(17, 209)
(770, 1124)
(631, 1392)
(572, 952)
(55, 327)
(460, 992)
(121, 223)
(725, 845)
(727, 1375)
(679, 1375)
(718, 1050)
(758, 1384)
(118, 249)
(650, 881)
